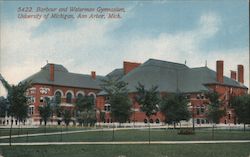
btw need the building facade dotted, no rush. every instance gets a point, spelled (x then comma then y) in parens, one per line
(174, 77)
(54, 80)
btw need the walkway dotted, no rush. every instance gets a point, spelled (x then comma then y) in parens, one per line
(126, 142)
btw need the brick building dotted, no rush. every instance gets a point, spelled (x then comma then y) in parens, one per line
(174, 77)
(55, 80)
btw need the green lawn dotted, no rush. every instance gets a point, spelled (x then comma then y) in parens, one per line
(42, 129)
(190, 150)
(138, 135)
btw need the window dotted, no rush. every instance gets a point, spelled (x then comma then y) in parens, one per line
(202, 121)
(151, 121)
(198, 110)
(202, 109)
(198, 121)
(68, 98)
(58, 96)
(145, 121)
(41, 99)
(31, 110)
(157, 121)
(198, 96)
(229, 116)
(80, 95)
(92, 97)
(31, 100)
(207, 121)
(107, 107)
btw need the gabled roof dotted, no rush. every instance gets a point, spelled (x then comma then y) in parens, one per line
(116, 74)
(63, 77)
(173, 77)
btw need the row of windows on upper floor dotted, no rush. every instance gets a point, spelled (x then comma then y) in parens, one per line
(58, 95)
(70, 92)
(69, 96)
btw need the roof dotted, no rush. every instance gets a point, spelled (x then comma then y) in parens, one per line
(63, 77)
(116, 74)
(172, 77)
(168, 76)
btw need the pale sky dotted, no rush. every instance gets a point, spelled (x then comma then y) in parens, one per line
(175, 31)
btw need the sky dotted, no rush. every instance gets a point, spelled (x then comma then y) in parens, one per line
(184, 30)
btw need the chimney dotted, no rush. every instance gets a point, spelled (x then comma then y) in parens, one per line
(93, 75)
(129, 66)
(241, 74)
(51, 71)
(233, 75)
(219, 71)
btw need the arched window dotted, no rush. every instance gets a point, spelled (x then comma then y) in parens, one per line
(145, 121)
(58, 96)
(198, 110)
(92, 96)
(68, 97)
(157, 121)
(79, 95)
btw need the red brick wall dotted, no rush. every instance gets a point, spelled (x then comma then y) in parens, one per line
(128, 66)
(137, 115)
(233, 75)
(51, 91)
(240, 73)
(226, 92)
(51, 71)
(196, 103)
(93, 75)
(219, 71)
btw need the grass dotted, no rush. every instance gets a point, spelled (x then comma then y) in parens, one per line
(190, 150)
(137, 135)
(42, 129)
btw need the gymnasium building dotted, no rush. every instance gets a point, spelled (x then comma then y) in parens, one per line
(54, 80)
(175, 77)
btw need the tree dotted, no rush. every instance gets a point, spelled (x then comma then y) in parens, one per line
(17, 99)
(85, 103)
(112, 86)
(148, 101)
(121, 107)
(67, 116)
(3, 106)
(175, 108)
(215, 112)
(85, 110)
(45, 111)
(118, 99)
(102, 115)
(241, 106)
(55, 107)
